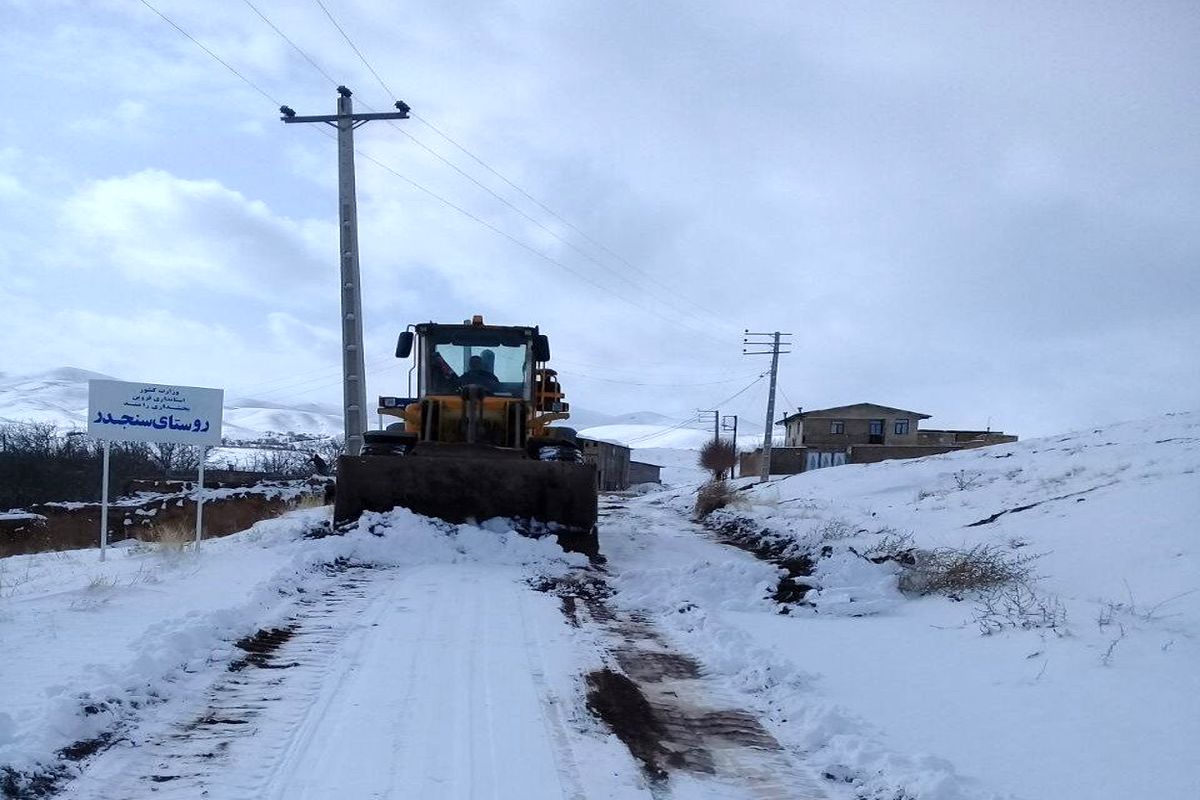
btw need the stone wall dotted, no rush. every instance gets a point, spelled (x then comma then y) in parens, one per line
(874, 453)
(784, 461)
(73, 526)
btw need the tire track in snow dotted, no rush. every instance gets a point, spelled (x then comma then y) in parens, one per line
(186, 758)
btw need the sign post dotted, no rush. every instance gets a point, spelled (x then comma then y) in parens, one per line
(151, 412)
(200, 496)
(104, 505)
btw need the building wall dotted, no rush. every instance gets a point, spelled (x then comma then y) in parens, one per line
(640, 472)
(965, 438)
(612, 463)
(784, 461)
(794, 433)
(816, 430)
(874, 453)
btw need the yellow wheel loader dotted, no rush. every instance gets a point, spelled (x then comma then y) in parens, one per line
(476, 442)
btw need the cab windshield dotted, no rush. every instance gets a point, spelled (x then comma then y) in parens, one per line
(455, 358)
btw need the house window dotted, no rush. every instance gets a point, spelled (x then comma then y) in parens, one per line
(901, 427)
(877, 427)
(837, 426)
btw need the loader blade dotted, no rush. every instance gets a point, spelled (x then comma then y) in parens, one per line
(560, 495)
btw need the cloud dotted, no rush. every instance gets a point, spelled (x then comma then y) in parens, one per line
(954, 207)
(181, 235)
(129, 118)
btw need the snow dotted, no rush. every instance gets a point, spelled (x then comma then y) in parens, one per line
(425, 665)
(1106, 706)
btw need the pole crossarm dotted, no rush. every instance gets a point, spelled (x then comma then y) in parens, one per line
(334, 118)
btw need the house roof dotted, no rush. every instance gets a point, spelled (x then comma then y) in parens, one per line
(835, 412)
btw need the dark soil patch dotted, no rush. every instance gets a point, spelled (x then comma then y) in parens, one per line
(738, 727)
(648, 666)
(261, 648)
(773, 548)
(211, 718)
(77, 751)
(44, 782)
(579, 592)
(1018, 509)
(618, 701)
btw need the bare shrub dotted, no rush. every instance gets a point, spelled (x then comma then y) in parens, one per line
(832, 530)
(952, 571)
(174, 457)
(891, 545)
(964, 480)
(1019, 607)
(718, 456)
(711, 496)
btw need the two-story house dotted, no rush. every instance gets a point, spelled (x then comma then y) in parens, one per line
(828, 434)
(861, 433)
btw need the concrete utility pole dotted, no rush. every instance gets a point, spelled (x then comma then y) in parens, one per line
(776, 344)
(354, 379)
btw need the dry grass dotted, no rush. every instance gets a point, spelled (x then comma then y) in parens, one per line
(308, 501)
(953, 571)
(169, 537)
(711, 496)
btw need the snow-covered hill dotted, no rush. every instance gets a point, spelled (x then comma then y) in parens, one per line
(60, 397)
(1081, 681)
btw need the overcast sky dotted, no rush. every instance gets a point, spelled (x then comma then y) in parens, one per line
(986, 212)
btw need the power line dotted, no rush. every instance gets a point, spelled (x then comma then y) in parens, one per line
(558, 217)
(580, 376)
(692, 419)
(220, 60)
(357, 52)
(399, 175)
(483, 186)
(295, 46)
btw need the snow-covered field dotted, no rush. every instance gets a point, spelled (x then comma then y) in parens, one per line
(418, 660)
(1088, 687)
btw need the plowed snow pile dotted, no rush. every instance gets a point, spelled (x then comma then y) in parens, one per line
(1027, 615)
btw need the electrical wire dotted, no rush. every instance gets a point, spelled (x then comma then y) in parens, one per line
(306, 385)
(388, 91)
(693, 419)
(220, 60)
(581, 376)
(295, 46)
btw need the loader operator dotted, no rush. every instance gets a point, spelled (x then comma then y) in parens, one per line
(479, 375)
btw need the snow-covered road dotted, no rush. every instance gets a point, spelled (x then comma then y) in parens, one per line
(429, 681)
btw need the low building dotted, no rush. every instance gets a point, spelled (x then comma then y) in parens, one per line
(862, 433)
(641, 472)
(611, 460)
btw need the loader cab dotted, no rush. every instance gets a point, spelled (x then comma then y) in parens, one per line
(445, 353)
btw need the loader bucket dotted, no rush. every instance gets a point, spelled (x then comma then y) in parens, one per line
(561, 495)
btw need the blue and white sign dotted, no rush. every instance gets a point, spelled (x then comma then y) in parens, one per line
(151, 412)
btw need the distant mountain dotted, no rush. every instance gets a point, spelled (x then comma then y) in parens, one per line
(60, 396)
(587, 418)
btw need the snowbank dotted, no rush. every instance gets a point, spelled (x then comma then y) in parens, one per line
(1085, 682)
